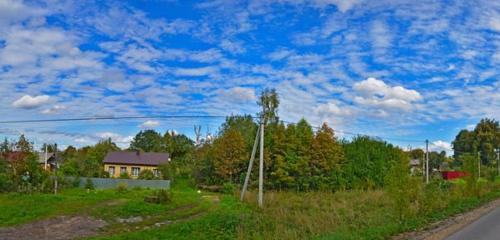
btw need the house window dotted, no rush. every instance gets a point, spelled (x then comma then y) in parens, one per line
(111, 170)
(156, 172)
(135, 171)
(123, 170)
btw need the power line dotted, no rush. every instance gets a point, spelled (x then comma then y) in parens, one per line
(110, 118)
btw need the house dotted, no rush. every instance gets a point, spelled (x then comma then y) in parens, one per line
(414, 165)
(50, 164)
(132, 163)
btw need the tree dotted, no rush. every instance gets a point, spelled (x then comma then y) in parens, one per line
(368, 161)
(92, 164)
(485, 138)
(229, 155)
(50, 147)
(327, 155)
(23, 145)
(6, 146)
(147, 141)
(269, 102)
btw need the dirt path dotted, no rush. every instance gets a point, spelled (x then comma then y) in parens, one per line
(445, 228)
(58, 228)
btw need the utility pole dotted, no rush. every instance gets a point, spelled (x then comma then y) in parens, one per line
(250, 164)
(55, 169)
(426, 161)
(261, 163)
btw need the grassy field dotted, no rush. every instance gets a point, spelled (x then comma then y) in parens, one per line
(193, 215)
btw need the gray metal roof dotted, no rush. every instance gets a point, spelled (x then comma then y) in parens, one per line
(136, 158)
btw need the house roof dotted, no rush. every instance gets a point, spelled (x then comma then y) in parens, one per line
(414, 162)
(136, 158)
(41, 156)
(14, 156)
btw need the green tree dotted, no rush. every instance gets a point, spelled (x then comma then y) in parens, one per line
(148, 141)
(92, 164)
(397, 182)
(470, 167)
(23, 145)
(269, 102)
(485, 138)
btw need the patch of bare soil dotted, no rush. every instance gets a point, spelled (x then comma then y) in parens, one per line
(58, 228)
(443, 229)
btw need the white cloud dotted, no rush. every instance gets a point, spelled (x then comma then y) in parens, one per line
(342, 5)
(440, 145)
(195, 72)
(29, 102)
(120, 140)
(331, 109)
(238, 94)
(150, 124)
(375, 92)
(53, 109)
(495, 23)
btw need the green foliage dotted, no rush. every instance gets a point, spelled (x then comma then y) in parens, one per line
(470, 163)
(368, 162)
(228, 188)
(147, 174)
(485, 138)
(124, 175)
(147, 141)
(122, 187)
(92, 163)
(397, 182)
(164, 196)
(229, 156)
(89, 184)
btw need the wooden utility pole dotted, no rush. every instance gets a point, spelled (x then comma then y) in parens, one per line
(261, 164)
(250, 164)
(426, 161)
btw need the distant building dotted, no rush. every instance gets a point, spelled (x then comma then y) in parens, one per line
(414, 165)
(49, 163)
(132, 163)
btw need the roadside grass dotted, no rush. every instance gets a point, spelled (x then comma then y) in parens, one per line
(351, 214)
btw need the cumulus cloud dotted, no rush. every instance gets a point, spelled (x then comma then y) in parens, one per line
(120, 140)
(149, 124)
(440, 145)
(29, 102)
(375, 92)
(331, 109)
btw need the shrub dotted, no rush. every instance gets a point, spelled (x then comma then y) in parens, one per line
(146, 175)
(398, 182)
(124, 175)
(228, 188)
(161, 196)
(75, 182)
(122, 187)
(89, 184)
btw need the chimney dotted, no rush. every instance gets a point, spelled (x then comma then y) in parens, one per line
(137, 152)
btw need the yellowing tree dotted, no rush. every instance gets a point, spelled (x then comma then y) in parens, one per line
(229, 155)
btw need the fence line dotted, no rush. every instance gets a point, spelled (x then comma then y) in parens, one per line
(103, 183)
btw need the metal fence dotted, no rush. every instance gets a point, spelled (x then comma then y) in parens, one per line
(102, 183)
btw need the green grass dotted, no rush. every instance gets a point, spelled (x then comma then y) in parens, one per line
(286, 215)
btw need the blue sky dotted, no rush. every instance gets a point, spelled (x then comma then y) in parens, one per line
(401, 70)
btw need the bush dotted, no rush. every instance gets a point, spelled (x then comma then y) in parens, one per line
(6, 184)
(228, 188)
(146, 175)
(161, 196)
(122, 187)
(89, 184)
(75, 182)
(124, 175)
